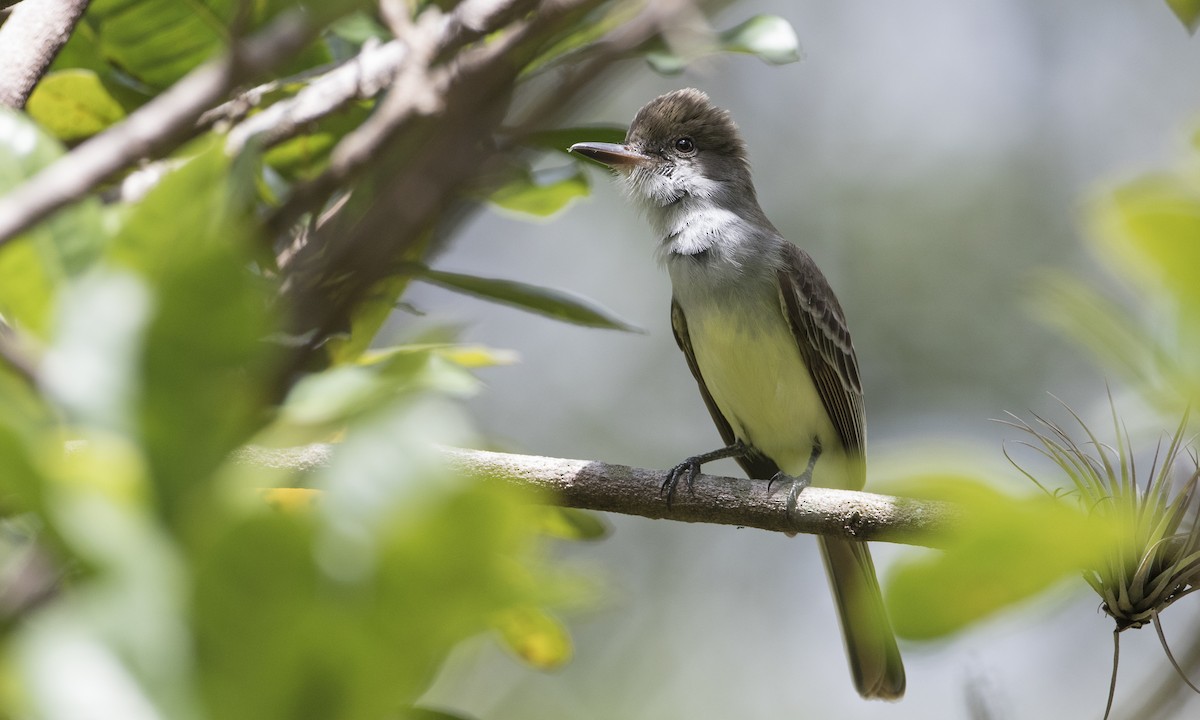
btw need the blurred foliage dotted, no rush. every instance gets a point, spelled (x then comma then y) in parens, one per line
(1147, 233)
(1002, 550)
(147, 572)
(184, 591)
(73, 104)
(541, 194)
(46, 257)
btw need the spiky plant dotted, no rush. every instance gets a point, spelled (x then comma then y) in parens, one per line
(1156, 558)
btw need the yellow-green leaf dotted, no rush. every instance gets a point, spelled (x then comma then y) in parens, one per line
(73, 104)
(41, 260)
(1188, 12)
(544, 301)
(530, 194)
(572, 524)
(535, 636)
(1005, 549)
(1149, 230)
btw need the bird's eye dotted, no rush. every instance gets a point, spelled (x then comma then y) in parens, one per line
(685, 146)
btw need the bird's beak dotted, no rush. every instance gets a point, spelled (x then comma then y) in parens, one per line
(618, 157)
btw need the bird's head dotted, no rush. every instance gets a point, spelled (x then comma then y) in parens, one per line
(679, 147)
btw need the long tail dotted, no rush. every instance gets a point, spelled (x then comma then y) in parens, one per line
(870, 644)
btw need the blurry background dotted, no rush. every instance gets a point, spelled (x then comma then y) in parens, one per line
(931, 155)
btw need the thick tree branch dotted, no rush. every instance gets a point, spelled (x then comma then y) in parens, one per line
(157, 126)
(29, 41)
(591, 485)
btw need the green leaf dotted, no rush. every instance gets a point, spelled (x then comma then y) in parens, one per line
(599, 22)
(475, 356)
(1117, 339)
(543, 301)
(83, 52)
(768, 37)
(322, 403)
(370, 314)
(160, 41)
(373, 310)
(1005, 549)
(563, 138)
(540, 196)
(1149, 231)
(204, 364)
(1188, 12)
(123, 618)
(38, 263)
(418, 713)
(572, 524)
(349, 609)
(73, 104)
(535, 636)
(306, 156)
(25, 430)
(359, 27)
(665, 62)
(157, 42)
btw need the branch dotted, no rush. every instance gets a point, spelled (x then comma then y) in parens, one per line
(590, 485)
(29, 41)
(415, 173)
(361, 77)
(156, 127)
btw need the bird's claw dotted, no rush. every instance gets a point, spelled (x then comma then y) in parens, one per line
(687, 471)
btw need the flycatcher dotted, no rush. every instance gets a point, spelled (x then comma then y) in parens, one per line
(763, 335)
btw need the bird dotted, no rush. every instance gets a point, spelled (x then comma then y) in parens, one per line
(764, 337)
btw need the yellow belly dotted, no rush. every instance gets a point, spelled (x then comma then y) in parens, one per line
(757, 377)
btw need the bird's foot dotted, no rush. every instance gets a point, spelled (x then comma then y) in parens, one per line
(686, 471)
(799, 483)
(689, 469)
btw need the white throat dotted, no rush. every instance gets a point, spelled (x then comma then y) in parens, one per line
(691, 227)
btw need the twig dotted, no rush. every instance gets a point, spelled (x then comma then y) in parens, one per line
(591, 485)
(156, 127)
(29, 41)
(359, 78)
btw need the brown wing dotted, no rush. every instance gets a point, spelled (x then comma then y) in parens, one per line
(820, 330)
(756, 465)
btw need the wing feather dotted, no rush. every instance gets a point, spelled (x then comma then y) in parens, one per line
(819, 327)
